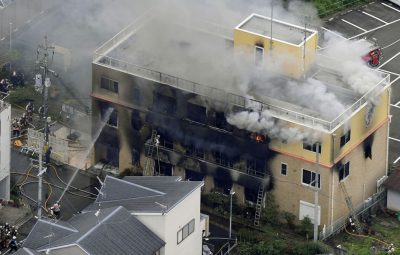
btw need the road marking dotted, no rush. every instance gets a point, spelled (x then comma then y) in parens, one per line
(394, 139)
(393, 43)
(337, 34)
(393, 105)
(397, 159)
(354, 25)
(385, 71)
(366, 32)
(391, 7)
(390, 59)
(397, 104)
(372, 16)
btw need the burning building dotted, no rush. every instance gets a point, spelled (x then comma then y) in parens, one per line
(255, 109)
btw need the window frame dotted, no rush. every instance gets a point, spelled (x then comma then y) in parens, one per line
(312, 147)
(342, 171)
(258, 59)
(311, 179)
(345, 138)
(286, 168)
(186, 228)
(112, 86)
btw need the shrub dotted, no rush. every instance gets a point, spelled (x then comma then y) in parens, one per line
(310, 248)
(306, 227)
(289, 218)
(271, 212)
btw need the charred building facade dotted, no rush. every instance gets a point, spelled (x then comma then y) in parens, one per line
(230, 107)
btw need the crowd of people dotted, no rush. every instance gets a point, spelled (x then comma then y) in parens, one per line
(21, 123)
(8, 237)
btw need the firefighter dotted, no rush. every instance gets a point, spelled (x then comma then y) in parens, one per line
(29, 111)
(13, 245)
(47, 155)
(56, 209)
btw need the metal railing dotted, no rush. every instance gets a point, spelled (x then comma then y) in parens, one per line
(101, 58)
(342, 222)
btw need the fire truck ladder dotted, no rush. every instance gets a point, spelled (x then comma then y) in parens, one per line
(150, 162)
(351, 208)
(260, 197)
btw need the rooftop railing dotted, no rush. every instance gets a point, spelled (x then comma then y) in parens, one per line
(101, 58)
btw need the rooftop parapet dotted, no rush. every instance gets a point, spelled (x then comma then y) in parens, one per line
(105, 56)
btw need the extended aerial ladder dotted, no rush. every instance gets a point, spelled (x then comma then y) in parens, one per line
(260, 197)
(149, 152)
(349, 203)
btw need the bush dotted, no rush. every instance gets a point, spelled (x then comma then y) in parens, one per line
(271, 212)
(306, 227)
(289, 218)
(310, 248)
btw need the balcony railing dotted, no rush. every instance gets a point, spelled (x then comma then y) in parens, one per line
(101, 58)
(233, 167)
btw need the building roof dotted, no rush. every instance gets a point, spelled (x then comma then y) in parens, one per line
(26, 251)
(144, 194)
(393, 181)
(136, 51)
(281, 31)
(107, 231)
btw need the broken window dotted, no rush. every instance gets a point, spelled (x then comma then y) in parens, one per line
(309, 178)
(312, 147)
(109, 85)
(255, 167)
(345, 138)
(196, 113)
(166, 141)
(164, 104)
(283, 169)
(108, 114)
(344, 171)
(222, 159)
(259, 55)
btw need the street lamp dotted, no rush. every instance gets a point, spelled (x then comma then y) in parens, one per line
(231, 193)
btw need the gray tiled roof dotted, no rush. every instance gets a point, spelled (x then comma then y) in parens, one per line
(47, 231)
(26, 251)
(152, 194)
(112, 231)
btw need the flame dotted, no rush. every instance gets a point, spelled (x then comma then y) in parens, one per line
(259, 138)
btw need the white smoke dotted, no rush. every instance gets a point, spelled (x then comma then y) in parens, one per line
(346, 56)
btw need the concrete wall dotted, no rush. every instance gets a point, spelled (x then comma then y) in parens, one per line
(393, 200)
(360, 184)
(167, 226)
(5, 153)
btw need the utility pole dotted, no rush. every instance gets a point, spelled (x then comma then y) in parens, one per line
(40, 181)
(43, 64)
(10, 35)
(316, 194)
(272, 17)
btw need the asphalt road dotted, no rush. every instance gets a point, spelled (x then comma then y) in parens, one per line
(379, 21)
(56, 175)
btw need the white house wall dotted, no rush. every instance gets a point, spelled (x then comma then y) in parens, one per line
(393, 200)
(5, 153)
(177, 218)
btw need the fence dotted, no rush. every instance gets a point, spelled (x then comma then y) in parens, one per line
(341, 223)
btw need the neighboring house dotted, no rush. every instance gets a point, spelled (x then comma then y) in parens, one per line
(392, 185)
(167, 206)
(106, 231)
(5, 153)
(170, 86)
